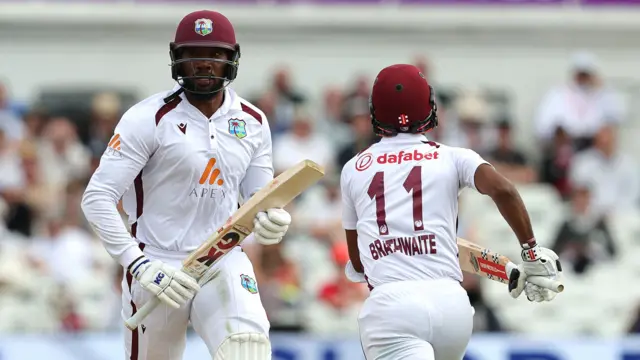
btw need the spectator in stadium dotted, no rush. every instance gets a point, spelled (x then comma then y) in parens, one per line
(634, 328)
(302, 142)
(34, 121)
(330, 123)
(280, 289)
(62, 243)
(423, 63)
(556, 159)
(610, 173)
(12, 125)
(267, 102)
(485, 318)
(287, 100)
(319, 211)
(339, 299)
(106, 109)
(361, 135)
(62, 156)
(468, 123)
(584, 237)
(509, 160)
(15, 108)
(580, 107)
(13, 187)
(355, 96)
(40, 197)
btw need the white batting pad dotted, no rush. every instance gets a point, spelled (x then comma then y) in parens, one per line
(244, 346)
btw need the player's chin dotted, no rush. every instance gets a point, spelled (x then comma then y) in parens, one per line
(207, 85)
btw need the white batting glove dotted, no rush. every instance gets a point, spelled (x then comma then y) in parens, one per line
(538, 261)
(517, 281)
(172, 286)
(537, 293)
(352, 274)
(269, 227)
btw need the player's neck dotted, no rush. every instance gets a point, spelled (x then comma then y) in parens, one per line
(207, 107)
(404, 136)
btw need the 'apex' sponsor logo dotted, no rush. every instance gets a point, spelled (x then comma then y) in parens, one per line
(210, 176)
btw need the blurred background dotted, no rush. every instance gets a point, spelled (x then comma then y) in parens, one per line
(548, 90)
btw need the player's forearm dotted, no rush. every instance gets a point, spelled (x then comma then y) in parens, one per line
(512, 208)
(354, 252)
(100, 210)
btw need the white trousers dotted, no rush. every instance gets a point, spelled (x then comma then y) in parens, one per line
(416, 320)
(226, 305)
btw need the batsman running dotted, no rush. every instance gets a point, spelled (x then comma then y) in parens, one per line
(180, 160)
(400, 206)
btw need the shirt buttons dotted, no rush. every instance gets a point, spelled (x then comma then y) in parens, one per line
(212, 136)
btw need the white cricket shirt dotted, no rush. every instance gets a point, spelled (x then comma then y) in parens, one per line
(178, 173)
(401, 195)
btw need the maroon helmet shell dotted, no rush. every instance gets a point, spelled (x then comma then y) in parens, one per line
(402, 101)
(205, 28)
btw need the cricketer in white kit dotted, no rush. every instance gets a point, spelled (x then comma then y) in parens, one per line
(180, 160)
(400, 206)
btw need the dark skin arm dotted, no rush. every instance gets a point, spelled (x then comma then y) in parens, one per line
(504, 194)
(354, 253)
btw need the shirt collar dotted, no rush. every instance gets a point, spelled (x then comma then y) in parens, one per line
(230, 102)
(406, 139)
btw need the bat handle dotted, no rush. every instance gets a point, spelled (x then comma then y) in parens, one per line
(553, 285)
(134, 321)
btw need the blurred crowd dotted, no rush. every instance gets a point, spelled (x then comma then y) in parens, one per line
(54, 269)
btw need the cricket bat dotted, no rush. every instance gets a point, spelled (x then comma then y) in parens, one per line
(277, 194)
(476, 259)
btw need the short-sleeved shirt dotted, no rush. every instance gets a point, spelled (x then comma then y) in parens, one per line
(401, 195)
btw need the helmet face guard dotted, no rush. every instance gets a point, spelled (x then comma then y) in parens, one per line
(187, 83)
(416, 127)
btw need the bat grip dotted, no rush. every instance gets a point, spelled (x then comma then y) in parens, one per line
(134, 321)
(553, 285)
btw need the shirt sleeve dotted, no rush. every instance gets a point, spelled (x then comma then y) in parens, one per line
(128, 151)
(349, 215)
(467, 162)
(260, 170)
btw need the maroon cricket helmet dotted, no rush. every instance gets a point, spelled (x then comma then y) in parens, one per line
(402, 101)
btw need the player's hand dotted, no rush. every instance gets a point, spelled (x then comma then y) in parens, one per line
(271, 225)
(554, 271)
(172, 286)
(352, 274)
(538, 261)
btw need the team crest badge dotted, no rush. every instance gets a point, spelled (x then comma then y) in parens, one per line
(204, 27)
(238, 127)
(249, 284)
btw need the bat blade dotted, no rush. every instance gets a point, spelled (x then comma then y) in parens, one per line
(476, 259)
(277, 194)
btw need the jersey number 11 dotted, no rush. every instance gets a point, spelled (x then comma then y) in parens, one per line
(413, 184)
